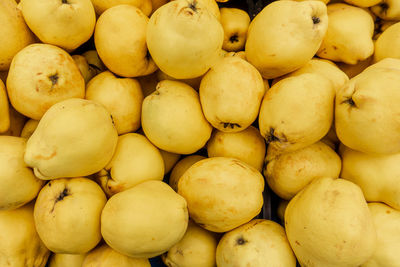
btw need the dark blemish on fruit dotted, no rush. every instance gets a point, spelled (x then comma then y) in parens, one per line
(62, 195)
(231, 125)
(112, 119)
(297, 242)
(192, 5)
(54, 79)
(64, 1)
(39, 73)
(388, 211)
(49, 184)
(350, 102)
(271, 137)
(179, 251)
(234, 38)
(241, 241)
(316, 20)
(334, 47)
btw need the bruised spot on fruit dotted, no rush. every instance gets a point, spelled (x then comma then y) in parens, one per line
(64, 1)
(241, 241)
(179, 251)
(46, 157)
(231, 125)
(112, 119)
(297, 242)
(316, 20)
(234, 38)
(54, 79)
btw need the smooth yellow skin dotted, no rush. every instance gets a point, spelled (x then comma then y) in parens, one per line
(75, 137)
(325, 67)
(102, 5)
(280, 122)
(20, 245)
(283, 36)
(66, 260)
(17, 122)
(247, 145)
(135, 160)
(104, 256)
(329, 224)
(133, 222)
(180, 168)
(42, 75)
(196, 249)
(386, 43)
(4, 110)
(14, 33)
(231, 93)
(172, 118)
(67, 215)
(222, 193)
(349, 35)
(288, 173)
(371, 124)
(67, 25)
(124, 51)
(387, 9)
(387, 225)
(29, 127)
(122, 97)
(19, 184)
(170, 159)
(184, 42)
(258, 243)
(377, 175)
(235, 23)
(363, 3)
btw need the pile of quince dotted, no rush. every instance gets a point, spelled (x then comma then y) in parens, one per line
(136, 129)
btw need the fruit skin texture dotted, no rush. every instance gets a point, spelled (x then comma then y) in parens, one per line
(123, 97)
(172, 118)
(124, 51)
(387, 225)
(19, 185)
(180, 168)
(196, 249)
(258, 243)
(184, 38)
(66, 24)
(366, 109)
(231, 93)
(285, 35)
(222, 193)
(67, 215)
(75, 137)
(376, 174)
(132, 222)
(15, 32)
(20, 245)
(331, 214)
(386, 43)
(247, 145)
(280, 121)
(42, 75)
(135, 160)
(349, 35)
(288, 173)
(102, 5)
(4, 110)
(104, 256)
